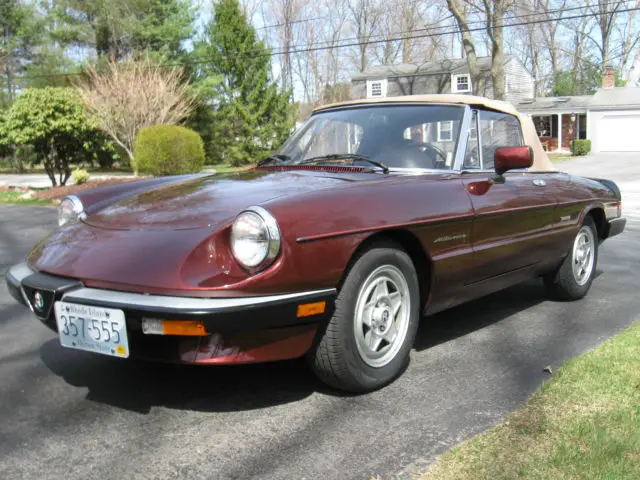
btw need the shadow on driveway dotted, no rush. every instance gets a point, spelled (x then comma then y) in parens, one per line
(139, 386)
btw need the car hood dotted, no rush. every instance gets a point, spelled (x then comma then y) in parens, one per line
(213, 200)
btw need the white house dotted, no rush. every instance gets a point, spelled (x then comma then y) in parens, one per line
(610, 118)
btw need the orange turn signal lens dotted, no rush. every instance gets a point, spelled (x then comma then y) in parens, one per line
(154, 326)
(184, 328)
(308, 309)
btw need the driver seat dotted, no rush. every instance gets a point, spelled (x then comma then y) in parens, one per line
(406, 154)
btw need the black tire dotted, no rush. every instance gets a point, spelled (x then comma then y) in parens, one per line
(562, 283)
(335, 358)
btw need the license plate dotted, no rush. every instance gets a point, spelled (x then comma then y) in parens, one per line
(94, 329)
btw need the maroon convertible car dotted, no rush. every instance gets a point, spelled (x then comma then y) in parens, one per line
(373, 214)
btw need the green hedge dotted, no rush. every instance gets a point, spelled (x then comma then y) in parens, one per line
(168, 150)
(581, 147)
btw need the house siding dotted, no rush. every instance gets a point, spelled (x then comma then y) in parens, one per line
(418, 85)
(517, 78)
(519, 81)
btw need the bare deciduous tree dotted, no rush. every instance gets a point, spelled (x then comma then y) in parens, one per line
(365, 15)
(495, 11)
(130, 96)
(549, 28)
(606, 12)
(458, 9)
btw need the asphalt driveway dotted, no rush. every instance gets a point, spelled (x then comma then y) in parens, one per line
(66, 414)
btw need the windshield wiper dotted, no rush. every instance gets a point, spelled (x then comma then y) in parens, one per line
(354, 157)
(273, 159)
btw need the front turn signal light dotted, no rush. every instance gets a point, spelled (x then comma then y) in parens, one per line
(309, 309)
(185, 328)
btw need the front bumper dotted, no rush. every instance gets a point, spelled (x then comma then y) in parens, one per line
(616, 226)
(234, 324)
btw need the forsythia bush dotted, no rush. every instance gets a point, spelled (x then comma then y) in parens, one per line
(581, 147)
(168, 150)
(80, 176)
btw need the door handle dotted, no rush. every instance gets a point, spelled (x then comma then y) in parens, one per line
(538, 182)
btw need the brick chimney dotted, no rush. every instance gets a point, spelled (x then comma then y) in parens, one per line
(608, 77)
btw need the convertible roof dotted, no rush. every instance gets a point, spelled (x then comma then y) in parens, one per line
(540, 160)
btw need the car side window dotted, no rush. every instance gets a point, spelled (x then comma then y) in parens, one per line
(497, 130)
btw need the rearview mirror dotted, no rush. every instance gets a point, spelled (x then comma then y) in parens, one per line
(512, 158)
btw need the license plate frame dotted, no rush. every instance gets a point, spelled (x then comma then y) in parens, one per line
(92, 329)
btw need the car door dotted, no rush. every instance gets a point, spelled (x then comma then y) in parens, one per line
(512, 218)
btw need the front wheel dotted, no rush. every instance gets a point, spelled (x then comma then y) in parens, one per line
(367, 342)
(574, 277)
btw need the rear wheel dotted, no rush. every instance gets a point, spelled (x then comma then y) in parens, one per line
(574, 277)
(367, 342)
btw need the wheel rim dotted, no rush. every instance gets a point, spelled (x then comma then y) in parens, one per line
(381, 319)
(583, 256)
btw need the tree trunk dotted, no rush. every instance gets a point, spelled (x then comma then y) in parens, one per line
(17, 162)
(48, 167)
(406, 41)
(496, 33)
(477, 83)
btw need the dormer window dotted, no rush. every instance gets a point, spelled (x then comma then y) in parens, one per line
(461, 83)
(377, 88)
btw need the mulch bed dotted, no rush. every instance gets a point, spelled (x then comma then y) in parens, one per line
(58, 193)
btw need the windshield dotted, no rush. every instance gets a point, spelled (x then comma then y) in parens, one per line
(401, 136)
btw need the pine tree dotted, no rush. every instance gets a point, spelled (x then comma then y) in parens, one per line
(20, 36)
(119, 29)
(250, 115)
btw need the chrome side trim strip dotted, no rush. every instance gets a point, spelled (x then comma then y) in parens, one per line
(170, 304)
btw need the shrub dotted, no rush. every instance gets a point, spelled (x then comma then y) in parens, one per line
(168, 150)
(80, 176)
(52, 125)
(581, 147)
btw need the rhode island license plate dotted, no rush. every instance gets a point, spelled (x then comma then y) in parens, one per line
(94, 329)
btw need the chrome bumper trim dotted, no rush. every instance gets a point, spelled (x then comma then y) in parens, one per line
(15, 275)
(170, 304)
(20, 271)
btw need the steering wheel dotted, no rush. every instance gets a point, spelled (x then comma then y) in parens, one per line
(435, 149)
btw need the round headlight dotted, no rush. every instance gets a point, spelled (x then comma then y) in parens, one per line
(70, 211)
(255, 238)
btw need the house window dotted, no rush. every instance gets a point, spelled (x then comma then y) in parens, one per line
(582, 126)
(377, 88)
(461, 83)
(445, 131)
(543, 125)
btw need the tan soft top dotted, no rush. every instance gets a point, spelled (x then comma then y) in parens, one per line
(540, 160)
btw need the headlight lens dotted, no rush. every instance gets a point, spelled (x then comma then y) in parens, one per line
(255, 238)
(70, 211)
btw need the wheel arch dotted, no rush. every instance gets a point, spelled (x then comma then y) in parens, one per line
(599, 218)
(414, 248)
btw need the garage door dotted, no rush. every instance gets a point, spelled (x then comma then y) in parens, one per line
(619, 133)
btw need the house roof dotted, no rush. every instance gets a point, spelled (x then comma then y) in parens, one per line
(438, 67)
(616, 98)
(540, 159)
(556, 104)
(622, 98)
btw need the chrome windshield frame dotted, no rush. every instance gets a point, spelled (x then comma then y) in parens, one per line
(463, 132)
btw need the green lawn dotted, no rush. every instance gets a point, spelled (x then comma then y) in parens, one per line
(582, 424)
(226, 168)
(14, 196)
(556, 158)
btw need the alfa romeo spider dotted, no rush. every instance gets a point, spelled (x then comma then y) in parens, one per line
(371, 216)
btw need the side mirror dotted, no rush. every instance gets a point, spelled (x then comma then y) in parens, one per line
(512, 158)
